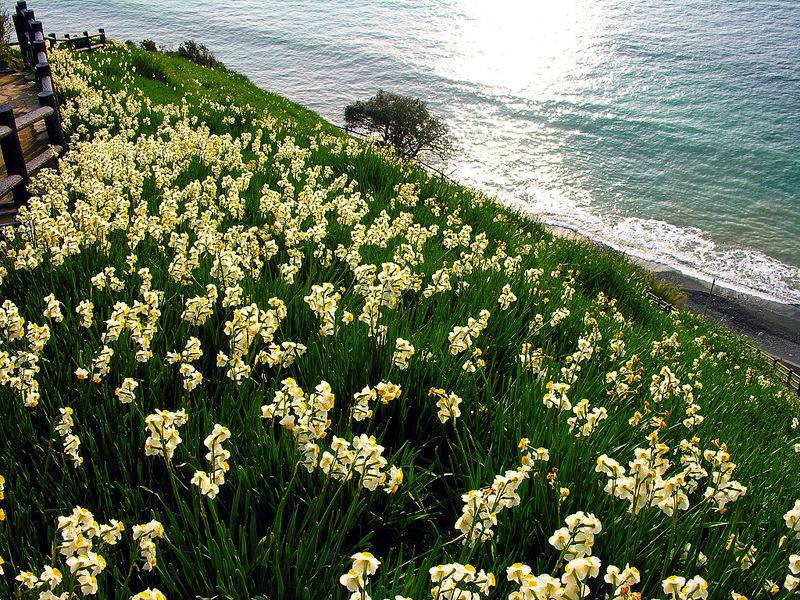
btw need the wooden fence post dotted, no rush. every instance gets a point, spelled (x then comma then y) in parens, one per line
(20, 26)
(26, 16)
(38, 43)
(13, 156)
(53, 123)
(102, 33)
(44, 77)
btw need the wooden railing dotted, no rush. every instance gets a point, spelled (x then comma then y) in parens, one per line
(19, 170)
(33, 45)
(784, 372)
(80, 43)
(32, 41)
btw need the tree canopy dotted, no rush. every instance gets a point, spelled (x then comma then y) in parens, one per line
(402, 122)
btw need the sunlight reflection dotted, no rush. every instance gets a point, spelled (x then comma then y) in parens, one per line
(520, 44)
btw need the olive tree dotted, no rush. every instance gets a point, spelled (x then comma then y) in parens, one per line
(401, 122)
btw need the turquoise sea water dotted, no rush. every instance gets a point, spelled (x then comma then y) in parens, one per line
(670, 130)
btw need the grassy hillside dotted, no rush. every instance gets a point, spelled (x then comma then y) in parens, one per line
(239, 347)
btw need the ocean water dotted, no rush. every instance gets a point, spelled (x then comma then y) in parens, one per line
(669, 130)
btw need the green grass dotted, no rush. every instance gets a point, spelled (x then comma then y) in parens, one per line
(276, 530)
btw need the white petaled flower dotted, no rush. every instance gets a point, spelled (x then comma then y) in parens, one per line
(507, 298)
(403, 352)
(126, 392)
(52, 309)
(792, 519)
(146, 534)
(217, 456)
(448, 404)
(162, 427)
(149, 594)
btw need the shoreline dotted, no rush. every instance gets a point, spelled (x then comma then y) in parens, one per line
(773, 326)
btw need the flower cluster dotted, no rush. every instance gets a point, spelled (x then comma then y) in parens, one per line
(217, 456)
(456, 582)
(680, 588)
(462, 338)
(200, 308)
(149, 594)
(479, 514)
(577, 538)
(247, 323)
(355, 580)
(385, 390)
(448, 404)
(18, 369)
(362, 457)
(575, 542)
(306, 418)
(145, 534)
(361, 403)
(193, 351)
(792, 581)
(162, 427)
(126, 392)
(507, 298)
(324, 301)
(532, 360)
(647, 483)
(585, 421)
(403, 351)
(79, 532)
(52, 309)
(792, 519)
(261, 233)
(71, 441)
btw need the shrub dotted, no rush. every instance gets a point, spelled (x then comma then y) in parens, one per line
(402, 122)
(200, 54)
(8, 57)
(149, 45)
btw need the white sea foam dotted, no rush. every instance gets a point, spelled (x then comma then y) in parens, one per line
(685, 249)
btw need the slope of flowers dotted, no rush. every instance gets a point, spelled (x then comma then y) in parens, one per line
(243, 355)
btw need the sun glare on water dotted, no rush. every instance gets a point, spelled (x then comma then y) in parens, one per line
(521, 45)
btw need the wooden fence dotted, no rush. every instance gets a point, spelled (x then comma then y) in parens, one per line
(32, 41)
(33, 45)
(780, 368)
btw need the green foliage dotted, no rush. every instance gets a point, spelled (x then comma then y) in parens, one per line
(200, 54)
(402, 122)
(9, 57)
(278, 532)
(149, 45)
